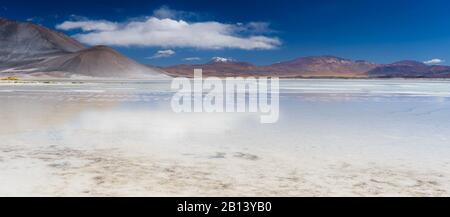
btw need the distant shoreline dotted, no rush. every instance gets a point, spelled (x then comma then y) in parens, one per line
(112, 80)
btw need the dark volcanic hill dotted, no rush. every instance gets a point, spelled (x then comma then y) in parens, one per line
(26, 42)
(319, 66)
(31, 50)
(98, 61)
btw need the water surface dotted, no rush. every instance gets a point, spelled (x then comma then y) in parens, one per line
(334, 138)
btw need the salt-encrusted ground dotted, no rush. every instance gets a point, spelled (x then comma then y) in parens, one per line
(334, 138)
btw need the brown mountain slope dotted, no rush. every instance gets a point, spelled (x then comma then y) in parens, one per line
(31, 50)
(410, 69)
(323, 66)
(319, 66)
(98, 61)
(216, 68)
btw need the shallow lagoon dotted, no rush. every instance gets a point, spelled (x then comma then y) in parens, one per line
(334, 138)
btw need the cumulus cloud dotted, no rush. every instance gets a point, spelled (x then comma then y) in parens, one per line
(256, 27)
(222, 60)
(162, 54)
(168, 32)
(99, 25)
(165, 12)
(192, 59)
(434, 61)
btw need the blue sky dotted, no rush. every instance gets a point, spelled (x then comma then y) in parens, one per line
(262, 32)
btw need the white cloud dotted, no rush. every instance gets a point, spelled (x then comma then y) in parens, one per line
(162, 54)
(257, 27)
(222, 60)
(192, 59)
(171, 33)
(99, 25)
(165, 12)
(434, 62)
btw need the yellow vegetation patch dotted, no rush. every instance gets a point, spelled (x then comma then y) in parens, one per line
(9, 79)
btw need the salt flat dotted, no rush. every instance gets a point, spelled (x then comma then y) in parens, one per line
(334, 138)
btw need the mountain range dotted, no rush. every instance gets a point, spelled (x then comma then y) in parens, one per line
(316, 67)
(29, 50)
